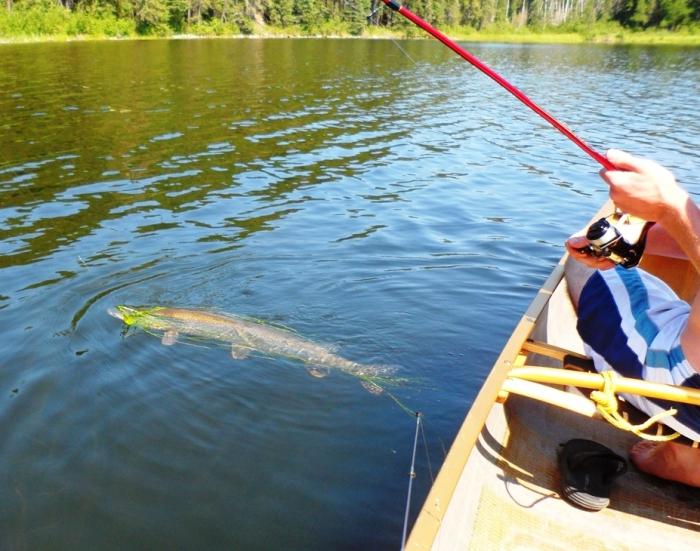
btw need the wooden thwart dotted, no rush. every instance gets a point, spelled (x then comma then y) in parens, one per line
(595, 381)
(560, 398)
(551, 351)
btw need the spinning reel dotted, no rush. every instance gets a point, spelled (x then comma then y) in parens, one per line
(618, 237)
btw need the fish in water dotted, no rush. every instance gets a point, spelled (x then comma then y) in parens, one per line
(245, 336)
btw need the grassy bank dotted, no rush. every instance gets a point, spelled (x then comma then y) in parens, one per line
(598, 34)
(62, 25)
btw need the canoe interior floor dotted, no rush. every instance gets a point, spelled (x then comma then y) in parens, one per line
(508, 497)
(508, 494)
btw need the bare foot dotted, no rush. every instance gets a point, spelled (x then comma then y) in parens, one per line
(668, 460)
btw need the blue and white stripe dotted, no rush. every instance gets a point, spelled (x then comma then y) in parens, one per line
(631, 322)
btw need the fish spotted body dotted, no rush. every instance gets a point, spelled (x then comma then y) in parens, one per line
(245, 336)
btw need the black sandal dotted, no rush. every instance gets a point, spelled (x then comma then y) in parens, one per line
(588, 470)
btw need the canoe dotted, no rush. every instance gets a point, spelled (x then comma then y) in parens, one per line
(499, 487)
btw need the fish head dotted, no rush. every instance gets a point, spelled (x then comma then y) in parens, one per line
(141, 317)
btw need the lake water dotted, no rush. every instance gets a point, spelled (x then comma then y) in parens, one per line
(399, 206)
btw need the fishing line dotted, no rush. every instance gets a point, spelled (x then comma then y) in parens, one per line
(411, 477)
(476, 62)
(369, 22)
(427, 453)
(398, 402)
(403, 51)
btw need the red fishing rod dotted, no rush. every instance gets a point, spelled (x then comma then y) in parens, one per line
(476, 62)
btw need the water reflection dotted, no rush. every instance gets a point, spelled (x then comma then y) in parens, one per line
(403, 209)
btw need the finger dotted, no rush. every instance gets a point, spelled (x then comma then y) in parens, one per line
(605, 175)
(625, 161)
(592, 261)
(617, 178)
(583, 257)
(579, 252)
(577, 241)
(619, 197)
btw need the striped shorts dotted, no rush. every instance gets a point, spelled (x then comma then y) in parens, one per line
(631, 322)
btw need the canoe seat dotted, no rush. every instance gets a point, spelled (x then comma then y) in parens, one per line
(576, 363)
(568, 358)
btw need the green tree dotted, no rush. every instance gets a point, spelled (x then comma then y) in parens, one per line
(453, 14)
(535, 13)
(151, 15)
(310, 14)
(488, 13)
(425, 9)
(123, 8)
(674, 13)
(695, 8)
(281, 13)
(356, 12)
(642, 13)
(472, 11)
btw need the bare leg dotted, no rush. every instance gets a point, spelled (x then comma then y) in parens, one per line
(668, 460)
(577, 275)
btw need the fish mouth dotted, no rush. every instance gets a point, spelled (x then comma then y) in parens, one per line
(121, 312)
(135, 315)
(115, 313)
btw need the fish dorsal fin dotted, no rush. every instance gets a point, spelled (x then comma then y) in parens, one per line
(260, 321)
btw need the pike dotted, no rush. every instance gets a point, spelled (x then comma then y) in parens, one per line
(244, 336)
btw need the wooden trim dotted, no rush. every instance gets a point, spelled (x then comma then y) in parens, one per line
(560, 398)
(551, 351)
(595, 381)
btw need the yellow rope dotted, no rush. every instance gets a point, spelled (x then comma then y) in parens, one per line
(606, 402)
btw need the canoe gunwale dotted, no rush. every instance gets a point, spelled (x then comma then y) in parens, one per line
(428, 522)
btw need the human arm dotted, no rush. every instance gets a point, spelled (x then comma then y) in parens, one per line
(683, 225)
(660, 243)
(645, 189)
(643, 186)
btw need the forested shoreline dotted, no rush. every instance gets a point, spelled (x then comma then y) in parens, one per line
(613, 20)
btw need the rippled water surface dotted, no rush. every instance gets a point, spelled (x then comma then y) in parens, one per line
(400, 207)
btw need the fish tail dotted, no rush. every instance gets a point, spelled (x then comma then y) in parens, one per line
(377, 385)
(376, 377)
(374, 370)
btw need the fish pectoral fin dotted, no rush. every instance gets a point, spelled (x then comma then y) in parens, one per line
(239, 352)
(317, 371)
(169, 337)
